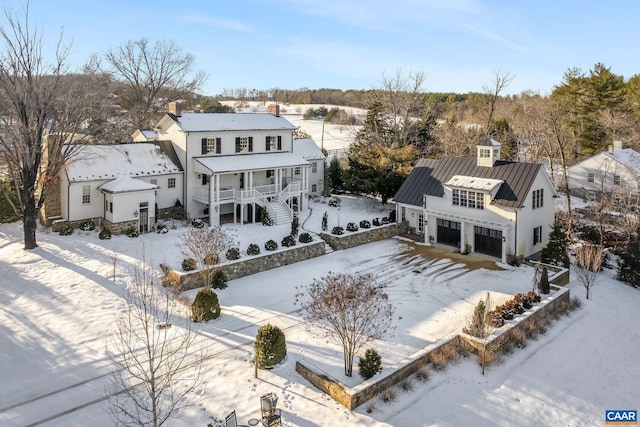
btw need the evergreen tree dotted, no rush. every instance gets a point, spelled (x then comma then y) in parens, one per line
(629, 267)
(335, 176)
(544, 282)
(556, 250)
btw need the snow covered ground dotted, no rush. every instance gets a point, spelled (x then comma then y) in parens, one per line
(57, 304)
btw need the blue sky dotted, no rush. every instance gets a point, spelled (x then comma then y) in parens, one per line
(344, 44)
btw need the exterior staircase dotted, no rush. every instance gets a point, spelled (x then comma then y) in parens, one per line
(281, 214)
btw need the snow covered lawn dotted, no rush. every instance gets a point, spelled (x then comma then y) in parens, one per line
(57, 304)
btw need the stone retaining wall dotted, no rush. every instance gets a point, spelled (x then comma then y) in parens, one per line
(353, 397)
(247, 265)
(362, 237)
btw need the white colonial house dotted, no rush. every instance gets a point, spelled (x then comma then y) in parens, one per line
(118, 186)
(616, 171)
(484, 205)
(309, 150)
(219, 167)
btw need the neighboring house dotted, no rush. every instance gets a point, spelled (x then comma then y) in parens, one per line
(484, 205)
(237, 166)
(308, 150)
(119, 186)
(616, 171)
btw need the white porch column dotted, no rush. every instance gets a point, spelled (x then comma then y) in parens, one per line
(505, 240)
(463, 241)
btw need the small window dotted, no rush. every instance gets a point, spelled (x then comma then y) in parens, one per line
(537, 198)
(270, 173)
(485, 153)
(314, 167)
(86, 194)
(296, 171)
(591, 177)
(537, 235)
(111, 207)
(205, 179)
(171, 183)
(616, 179)
(421, 223)
(314, 188)
(154, 181)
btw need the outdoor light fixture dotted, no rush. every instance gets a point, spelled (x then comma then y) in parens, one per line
(135, 213)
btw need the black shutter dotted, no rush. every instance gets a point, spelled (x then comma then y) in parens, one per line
(204, 146)
(250, 144)
(218, 145)
(237, 144)
(267, 145)
(279, 142)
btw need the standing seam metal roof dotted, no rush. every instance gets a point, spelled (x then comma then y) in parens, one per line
(428, 177)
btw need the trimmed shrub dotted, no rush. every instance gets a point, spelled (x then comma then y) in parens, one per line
(392, 216)
(305, 238)
(338, 231)
(365, 223)
(270, 346)
(271, 245)
(385, 221)
(370, 364)
(295, 226)
(65, 230)
(219, 280)
(189, 264)
(211, 259)
(288, 241)
(544, 282)
(266, 218)
(132, 232)
(161, 229)
(104, 234)
(253, 249)
(233, 254)
(206, 306)
(88, 226)
(352, 227)
(376, 222)
(476, 326)
(325, 221)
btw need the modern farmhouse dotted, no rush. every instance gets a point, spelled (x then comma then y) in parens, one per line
(484, 205)
(219, 167)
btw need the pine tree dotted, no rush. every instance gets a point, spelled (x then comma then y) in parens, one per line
(556, 250)
(629, 268)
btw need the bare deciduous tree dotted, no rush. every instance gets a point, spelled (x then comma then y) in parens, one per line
(587, 263)
(41, 110)
(150, 77)
(499, 83)
(206, 245)
(353, 308)
(156, 366)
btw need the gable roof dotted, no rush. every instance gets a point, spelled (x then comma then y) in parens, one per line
(126, 184)
(429, 176)
(99, 162)
(208, 122)
(627, 157)
(307, 149)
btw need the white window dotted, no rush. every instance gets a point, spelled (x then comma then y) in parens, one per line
(86, 194)
(270, 173)
(314, 188)
(244, 144)
(421, 223)
(272, 143)
(314, 167)
(485, 153)
(591, 177)
(296, 171)
(171, 183)
(616, 179)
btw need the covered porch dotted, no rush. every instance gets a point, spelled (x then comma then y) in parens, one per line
(244, 186)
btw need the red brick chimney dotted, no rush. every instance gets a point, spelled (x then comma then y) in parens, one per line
(175, 108)
(274, 109)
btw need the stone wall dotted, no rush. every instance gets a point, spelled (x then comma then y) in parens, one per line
(248, 265)
(362, 237)
(355, 396)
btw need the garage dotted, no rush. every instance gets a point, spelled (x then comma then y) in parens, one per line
(488, 241)
(448, 232)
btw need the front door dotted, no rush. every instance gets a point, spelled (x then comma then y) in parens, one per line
(144, 220)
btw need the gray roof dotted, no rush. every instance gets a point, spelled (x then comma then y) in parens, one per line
(489, 142)
(207, 122)
(429, 175)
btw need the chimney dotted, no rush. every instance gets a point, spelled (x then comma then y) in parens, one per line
(274, 109)
(618, 145)
(175, 108)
